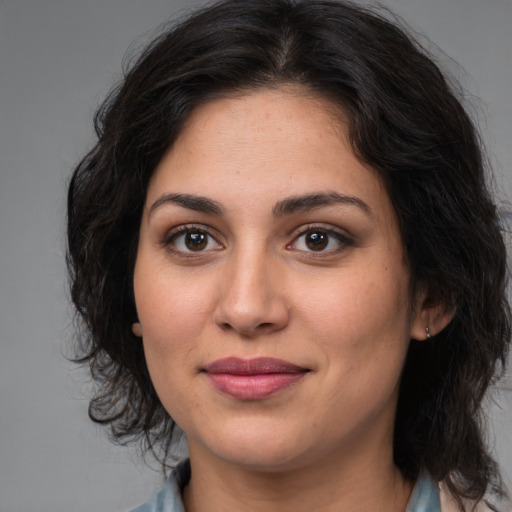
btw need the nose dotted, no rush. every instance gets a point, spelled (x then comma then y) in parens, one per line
(251, 300)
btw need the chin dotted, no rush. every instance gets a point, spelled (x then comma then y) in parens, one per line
(261, 447)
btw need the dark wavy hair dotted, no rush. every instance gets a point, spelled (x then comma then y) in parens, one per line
(405, 120)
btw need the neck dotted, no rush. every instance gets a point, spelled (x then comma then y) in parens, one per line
(338, 484)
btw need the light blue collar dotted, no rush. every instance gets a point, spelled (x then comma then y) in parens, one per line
(425, 496)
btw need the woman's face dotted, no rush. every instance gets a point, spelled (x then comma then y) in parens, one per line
(271, 288)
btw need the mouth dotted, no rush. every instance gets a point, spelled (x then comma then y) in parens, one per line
(253, 379)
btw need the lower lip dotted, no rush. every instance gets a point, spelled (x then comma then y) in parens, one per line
(253, 386)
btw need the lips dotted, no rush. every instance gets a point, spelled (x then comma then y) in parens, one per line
(253, 379)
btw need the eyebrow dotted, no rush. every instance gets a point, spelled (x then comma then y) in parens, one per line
(288, 206)
(308, 202)
(192, 202)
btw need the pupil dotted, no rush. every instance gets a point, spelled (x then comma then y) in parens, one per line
(317, 241)
(196, 241)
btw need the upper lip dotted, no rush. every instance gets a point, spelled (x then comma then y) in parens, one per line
(256, 366)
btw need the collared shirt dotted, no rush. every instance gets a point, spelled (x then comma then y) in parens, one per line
(424, 497)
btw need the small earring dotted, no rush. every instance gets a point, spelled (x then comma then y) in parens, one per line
(137, 329)
(427, 330)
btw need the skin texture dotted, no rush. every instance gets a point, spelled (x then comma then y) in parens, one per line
(255, 288)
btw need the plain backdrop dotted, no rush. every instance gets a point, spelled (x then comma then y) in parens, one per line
(58, 59)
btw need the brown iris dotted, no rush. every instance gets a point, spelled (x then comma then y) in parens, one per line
(196, 241)
(317, 241)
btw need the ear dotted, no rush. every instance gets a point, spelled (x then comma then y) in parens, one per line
(137, 329)
(430, 315)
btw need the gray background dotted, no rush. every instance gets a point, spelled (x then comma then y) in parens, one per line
(58, 59)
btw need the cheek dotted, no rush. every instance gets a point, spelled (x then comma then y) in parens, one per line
(357, 304)
(361, 324)
(171, 305)
(173, 310)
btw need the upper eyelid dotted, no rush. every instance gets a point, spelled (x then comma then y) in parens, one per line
(321, 227)
(184, 228)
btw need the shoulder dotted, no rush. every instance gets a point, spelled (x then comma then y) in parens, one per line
(168, 499)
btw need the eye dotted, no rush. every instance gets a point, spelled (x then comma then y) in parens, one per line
(189, 239)
(320, 240)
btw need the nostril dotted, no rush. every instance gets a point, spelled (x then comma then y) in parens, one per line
(225, 326)
(247, 330)
(263, 326)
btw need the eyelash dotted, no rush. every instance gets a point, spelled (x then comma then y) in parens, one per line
(343, 240)
(170, 239)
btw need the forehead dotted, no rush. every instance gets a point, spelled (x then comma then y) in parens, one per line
(287, 133)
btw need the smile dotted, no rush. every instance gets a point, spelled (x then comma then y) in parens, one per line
(253, 379)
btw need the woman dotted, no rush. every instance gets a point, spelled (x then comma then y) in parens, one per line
(283, 243)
